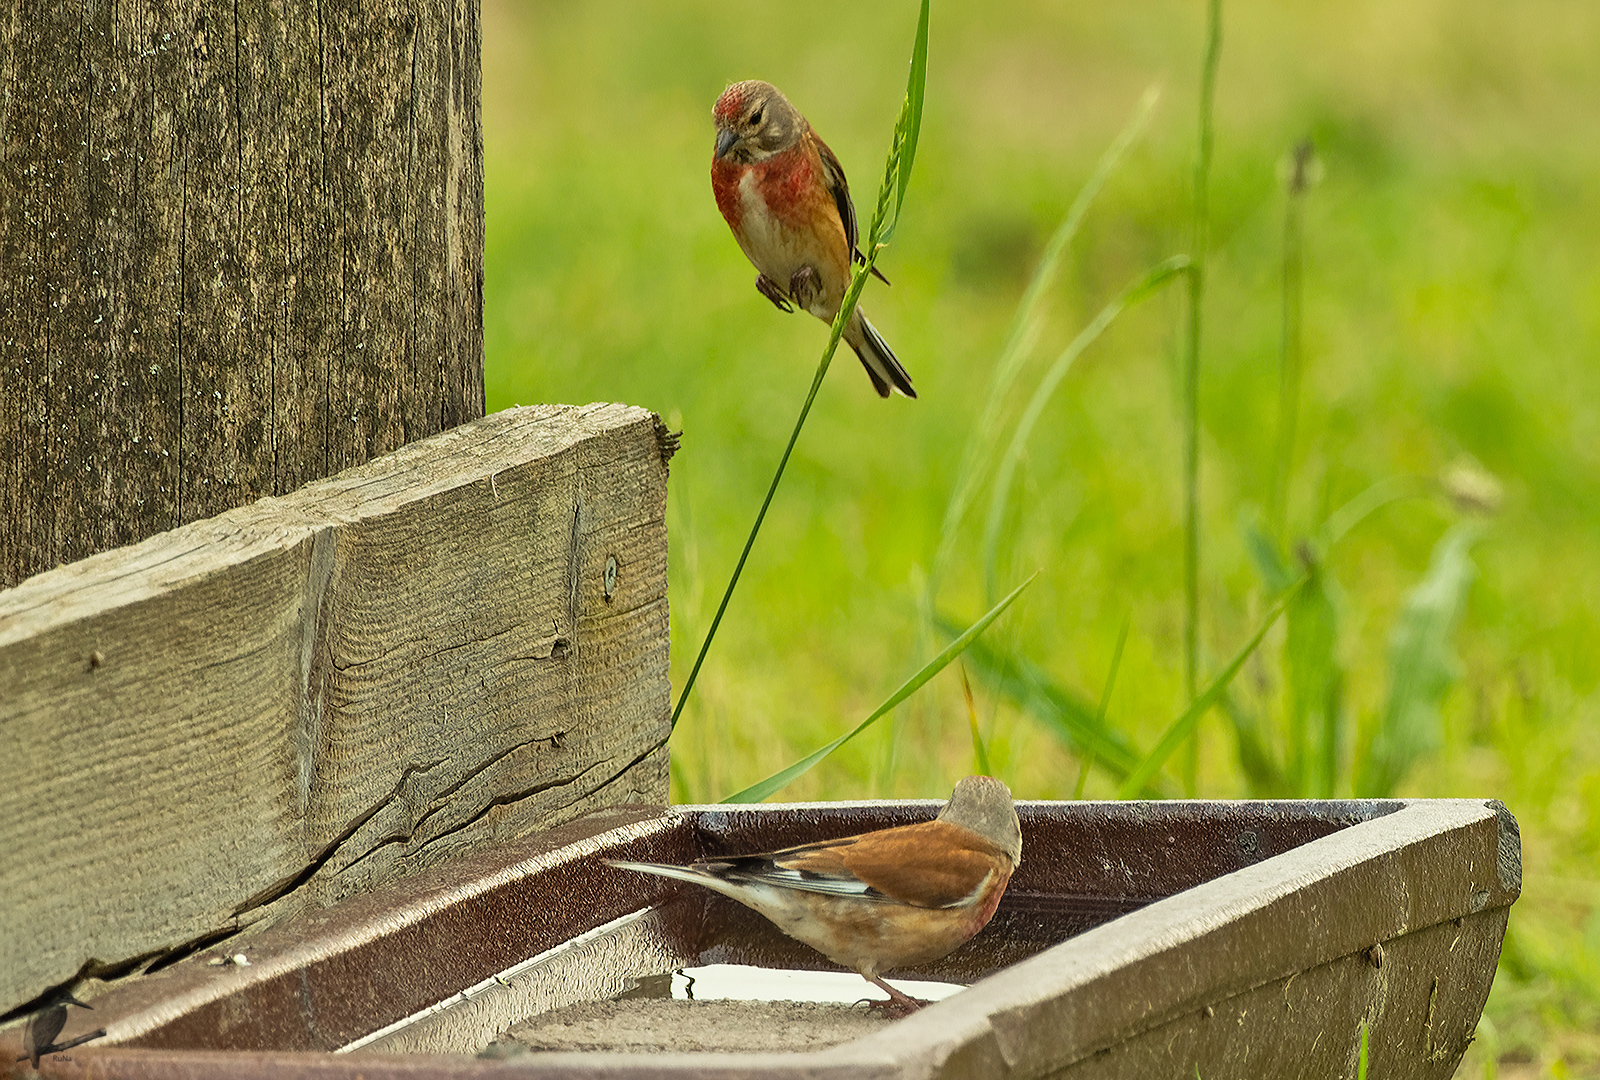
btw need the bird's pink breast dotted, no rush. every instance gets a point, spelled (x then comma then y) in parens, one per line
(725, 177)
(789, 185)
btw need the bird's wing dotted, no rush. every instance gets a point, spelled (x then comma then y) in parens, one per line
(807, 868)
(934, 864)
(839, 188)
(931, 865)
(44, 1027)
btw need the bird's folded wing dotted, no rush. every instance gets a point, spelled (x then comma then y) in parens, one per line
(839, 188)
(930, 865)
(833, 178)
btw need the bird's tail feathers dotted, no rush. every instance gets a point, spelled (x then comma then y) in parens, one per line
(678, 873)
(882, 367)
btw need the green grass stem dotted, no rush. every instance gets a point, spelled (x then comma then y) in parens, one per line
(1191, 385)
(1063, 712)
(980, 752)
(1005, 475)
(1290, 358)
(1105, 703)
(781, 779)
(1026, 326)
(1182, 729)
(1369, 501)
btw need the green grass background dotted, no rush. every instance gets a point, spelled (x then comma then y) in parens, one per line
(1452, 314)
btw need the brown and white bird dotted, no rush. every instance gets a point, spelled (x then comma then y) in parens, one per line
(886, 899)
(784, 195)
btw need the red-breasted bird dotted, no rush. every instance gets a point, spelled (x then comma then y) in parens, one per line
(885, 899)
(784, 195)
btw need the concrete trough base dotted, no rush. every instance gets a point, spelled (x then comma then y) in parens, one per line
(1136, 940)
(651, 1025)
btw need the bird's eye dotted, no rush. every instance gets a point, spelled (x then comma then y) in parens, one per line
(755, 117)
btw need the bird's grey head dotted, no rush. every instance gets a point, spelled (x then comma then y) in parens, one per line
(754, 121)
(983, 804)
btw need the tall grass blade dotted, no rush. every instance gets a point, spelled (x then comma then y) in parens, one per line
(1361, 1055)
(1422, 666)
(896, 170)
(1265, 555)
(980, 752)
(1313, 689)
(1374, 498)
(1105, 704)
(1263, 775)
(1290, 358)
(1026, 326)
(1179, 731)
(781, 779)
(1064, 713)
(1191, 382)
(910, 125)
(1000, 496)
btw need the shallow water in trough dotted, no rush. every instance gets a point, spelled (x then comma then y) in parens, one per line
(743, 982)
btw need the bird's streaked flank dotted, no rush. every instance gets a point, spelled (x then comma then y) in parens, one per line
(886, 899)
(784, 195)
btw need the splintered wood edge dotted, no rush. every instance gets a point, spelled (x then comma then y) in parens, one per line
(167, 561)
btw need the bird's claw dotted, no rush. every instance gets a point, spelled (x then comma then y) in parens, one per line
(804, 286)
(893, 1010)
(769, 288)
(898, 1005)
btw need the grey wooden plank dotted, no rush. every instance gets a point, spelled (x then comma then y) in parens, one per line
(1420, 1003)
(304, 697)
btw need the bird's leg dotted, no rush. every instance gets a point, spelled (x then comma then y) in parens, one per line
(769, 288)
(804, 287)
(898, 1004)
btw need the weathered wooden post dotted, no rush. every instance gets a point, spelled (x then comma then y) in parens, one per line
(240, 250)
(241, 247)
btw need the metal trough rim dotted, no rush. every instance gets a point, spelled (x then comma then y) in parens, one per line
(1407, 866)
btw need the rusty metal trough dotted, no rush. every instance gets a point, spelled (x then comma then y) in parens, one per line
(1137, 939)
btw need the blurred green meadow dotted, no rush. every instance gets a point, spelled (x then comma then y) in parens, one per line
(1451, 351)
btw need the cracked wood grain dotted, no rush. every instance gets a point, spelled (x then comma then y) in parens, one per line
(306, 697)
(241, 247)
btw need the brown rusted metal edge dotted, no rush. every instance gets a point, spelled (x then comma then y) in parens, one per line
(1276, 910)
(119, 1064)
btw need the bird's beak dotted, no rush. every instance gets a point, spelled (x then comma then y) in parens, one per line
(726, 137)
